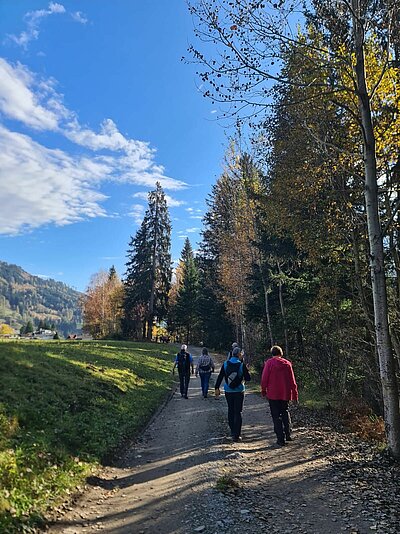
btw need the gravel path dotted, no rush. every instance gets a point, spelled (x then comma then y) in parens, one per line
(322, 482)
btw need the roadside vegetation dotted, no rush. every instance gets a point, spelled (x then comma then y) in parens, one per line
(64, 408)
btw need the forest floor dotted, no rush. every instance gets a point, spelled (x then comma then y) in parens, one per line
(184, 476)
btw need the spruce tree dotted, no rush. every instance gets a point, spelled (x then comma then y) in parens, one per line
(112, 274)
(29, 327)
(148, 274)
(187, 300)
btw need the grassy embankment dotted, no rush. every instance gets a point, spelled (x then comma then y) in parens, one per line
(65, 407)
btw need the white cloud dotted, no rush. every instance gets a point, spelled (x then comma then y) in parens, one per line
(78, 16)
(41, 185)
(192, 230)
(195, 213)
(29, 167)
(33, 21)
(137, 212)
(18, 102)
(171, 202)
(213, 111)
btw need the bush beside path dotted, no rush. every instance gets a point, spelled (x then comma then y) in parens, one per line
(183, 476)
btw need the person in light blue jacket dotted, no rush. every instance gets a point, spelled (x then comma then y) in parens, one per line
(235, 373)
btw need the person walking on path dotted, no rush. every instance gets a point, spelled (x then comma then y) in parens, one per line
(278, 384)
(235, 373)
(205, 366)
(184, 362)
(234, 345)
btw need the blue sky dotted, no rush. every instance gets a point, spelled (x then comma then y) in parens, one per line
(95, 106)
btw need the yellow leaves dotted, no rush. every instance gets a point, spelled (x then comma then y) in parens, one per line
(6, 330)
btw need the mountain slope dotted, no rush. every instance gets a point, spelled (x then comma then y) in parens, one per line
(24, 296)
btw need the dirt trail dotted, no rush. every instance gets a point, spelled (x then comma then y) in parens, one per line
(167, 482)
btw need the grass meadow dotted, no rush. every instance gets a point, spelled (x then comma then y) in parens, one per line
(65, 407)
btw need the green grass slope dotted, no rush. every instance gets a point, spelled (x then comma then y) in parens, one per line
(65, 407)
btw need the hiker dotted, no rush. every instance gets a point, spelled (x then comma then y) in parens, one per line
(204, 368)
(184, 362)
(278, 384)
(234, 345)
(235, 373)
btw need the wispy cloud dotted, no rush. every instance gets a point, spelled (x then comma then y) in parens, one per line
(195, 213)
(33, 20)
(51, 185)
(41, 185)
(78, 16)
(171, 202)
(137, 212)
(192, 230)
(19, 102)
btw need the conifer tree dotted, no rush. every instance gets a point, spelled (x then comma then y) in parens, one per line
(188, 293)
(148, 274)
(28, 327)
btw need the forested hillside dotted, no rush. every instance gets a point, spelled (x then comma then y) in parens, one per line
(26, 297)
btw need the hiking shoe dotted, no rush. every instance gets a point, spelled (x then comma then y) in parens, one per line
(281, 443)
(289, 438)
(237, 438)
(186, 397)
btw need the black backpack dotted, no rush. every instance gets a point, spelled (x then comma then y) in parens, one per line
(183, 361)
(233, 374)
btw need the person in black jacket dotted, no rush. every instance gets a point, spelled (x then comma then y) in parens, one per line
(184, 362)
(235, 373)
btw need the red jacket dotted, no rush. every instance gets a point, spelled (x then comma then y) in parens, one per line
(278, 381)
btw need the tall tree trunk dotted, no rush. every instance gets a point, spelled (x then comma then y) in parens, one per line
(267, 314)
(383, 341)
(283, 311)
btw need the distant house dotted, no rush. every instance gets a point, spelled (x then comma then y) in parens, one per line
(44, 334)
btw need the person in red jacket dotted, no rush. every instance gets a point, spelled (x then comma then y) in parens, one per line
(278, 384)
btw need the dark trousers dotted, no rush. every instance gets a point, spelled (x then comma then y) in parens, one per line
(235, 407)
(281, 419)
(204, 379)
(184, 379)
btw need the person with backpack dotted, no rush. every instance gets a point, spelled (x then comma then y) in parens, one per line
(234, 345)
(235, 373)
(204, 368)
(278, 385)
(184, 362)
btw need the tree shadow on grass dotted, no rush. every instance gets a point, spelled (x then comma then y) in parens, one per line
(65, 410)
